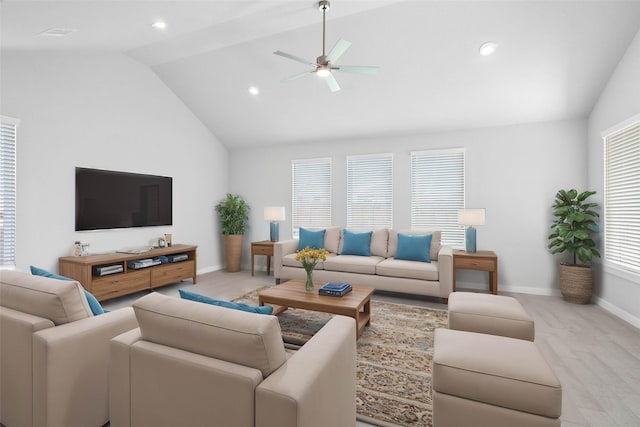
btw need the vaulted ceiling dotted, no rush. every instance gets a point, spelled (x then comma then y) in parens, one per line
(552, 61)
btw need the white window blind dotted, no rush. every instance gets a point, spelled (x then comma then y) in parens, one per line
(437, 193)
(622, 198)
(310, 193)
(370, 192)
(8, 128)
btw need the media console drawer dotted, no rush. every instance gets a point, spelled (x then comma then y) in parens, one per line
(120, 284)
(171, 273)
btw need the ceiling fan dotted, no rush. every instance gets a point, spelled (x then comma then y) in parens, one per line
(325, 64)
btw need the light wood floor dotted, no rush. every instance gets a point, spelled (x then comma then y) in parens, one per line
(595, 355)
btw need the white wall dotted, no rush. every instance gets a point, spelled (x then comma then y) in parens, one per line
(106, 111)
(619, 101)
(513, 172)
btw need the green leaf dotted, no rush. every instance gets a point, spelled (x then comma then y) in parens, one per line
(585, 194)
(572, 194)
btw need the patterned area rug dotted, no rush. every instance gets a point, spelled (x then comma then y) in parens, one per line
(394, 358)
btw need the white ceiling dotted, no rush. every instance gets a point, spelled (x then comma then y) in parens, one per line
(553, 60)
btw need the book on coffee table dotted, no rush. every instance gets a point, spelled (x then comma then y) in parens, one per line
(334, 289)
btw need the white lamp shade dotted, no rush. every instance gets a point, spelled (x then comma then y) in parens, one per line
(274, 213)
(471, 217)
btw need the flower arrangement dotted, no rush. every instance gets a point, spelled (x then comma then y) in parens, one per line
(309, 257)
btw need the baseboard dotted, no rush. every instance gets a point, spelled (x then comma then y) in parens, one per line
(618, 312)
(209, 269)
(531, 290)
(517, 289)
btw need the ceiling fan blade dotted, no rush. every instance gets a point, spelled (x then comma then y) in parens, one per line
(358, 69)
(332, 83)
(295, 58)
(337, 51)
(298, 76)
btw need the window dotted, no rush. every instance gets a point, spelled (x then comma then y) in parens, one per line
(437, 192)
(310, 193)
(622, 197)
(8, 127)
(370, 192)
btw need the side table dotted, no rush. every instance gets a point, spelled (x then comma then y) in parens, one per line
(264, 247)
(481, 261)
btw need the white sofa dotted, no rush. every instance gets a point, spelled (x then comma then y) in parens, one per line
(193, 364)
(380, 270)
(54, 353)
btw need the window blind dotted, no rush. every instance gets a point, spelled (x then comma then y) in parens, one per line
(437, 193)
(8, 128)
(310, 193)
(370, 192)
(622, 198)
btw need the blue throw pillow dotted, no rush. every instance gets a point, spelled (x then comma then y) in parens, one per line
(356, 243)
(95, 306)
(234, 305)
(311, 238)
(414, 247)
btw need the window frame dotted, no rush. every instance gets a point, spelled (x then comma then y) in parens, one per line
(457, 240)
(387, 198)
(9, 156)
(620, 269)
(326, 209)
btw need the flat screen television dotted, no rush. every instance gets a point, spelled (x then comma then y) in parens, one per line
(111, 199)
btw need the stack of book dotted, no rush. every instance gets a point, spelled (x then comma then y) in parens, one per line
(335, 289)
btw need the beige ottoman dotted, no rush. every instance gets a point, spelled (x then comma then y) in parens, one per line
(489, 314)
(486, 380)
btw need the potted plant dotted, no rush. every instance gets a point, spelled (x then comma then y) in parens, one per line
(575, 220)
(234, 214)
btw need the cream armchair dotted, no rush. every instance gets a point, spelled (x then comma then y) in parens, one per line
(54, 353)
(199, 365)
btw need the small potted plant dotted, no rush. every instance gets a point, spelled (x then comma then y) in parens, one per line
(234, 214)
(575, 220)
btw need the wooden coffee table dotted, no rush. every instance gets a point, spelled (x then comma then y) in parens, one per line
(355, 304)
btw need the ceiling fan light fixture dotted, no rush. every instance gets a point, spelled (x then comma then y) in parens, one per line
(487, 48)
(323, 71)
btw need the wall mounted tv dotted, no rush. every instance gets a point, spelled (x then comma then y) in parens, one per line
(110, 199)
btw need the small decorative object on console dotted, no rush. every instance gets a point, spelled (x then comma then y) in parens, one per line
(309, 258)
(334, 289)
(167, 239)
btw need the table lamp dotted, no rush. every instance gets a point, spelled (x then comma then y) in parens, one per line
(470, 217)
(274, 214)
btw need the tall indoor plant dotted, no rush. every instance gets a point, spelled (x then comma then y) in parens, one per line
(234, 214)
(575, 220)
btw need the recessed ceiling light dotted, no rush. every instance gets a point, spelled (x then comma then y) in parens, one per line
(488, 48)
(254, 90)
(57, 32)
(160, 25)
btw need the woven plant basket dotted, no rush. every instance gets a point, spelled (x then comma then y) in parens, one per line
(233, 251)
(576, 283)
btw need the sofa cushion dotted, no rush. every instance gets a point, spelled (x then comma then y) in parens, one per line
(379, 242)
(332, 239)
(313, 239)
(60, 301)
(248, 339)
(356, 243)
(353, 264)
(414, 247)
(192, 296)
(408, 269)
(93, 302)
(435, 241)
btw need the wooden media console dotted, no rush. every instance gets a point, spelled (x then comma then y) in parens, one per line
(83, 269)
